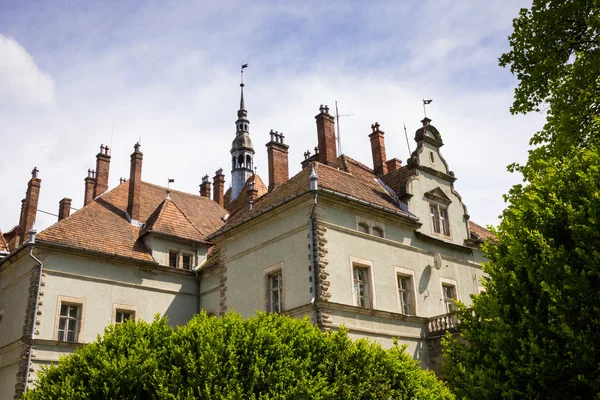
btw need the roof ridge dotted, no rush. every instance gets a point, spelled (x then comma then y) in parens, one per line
(185, 215)
(175, 191)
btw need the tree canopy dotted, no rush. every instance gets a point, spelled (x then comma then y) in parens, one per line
(265, 357)
(535, 332)
(555, 54)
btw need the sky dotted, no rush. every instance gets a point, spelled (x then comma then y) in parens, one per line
(75, 75)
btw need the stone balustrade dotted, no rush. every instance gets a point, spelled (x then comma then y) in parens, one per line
(442, 323)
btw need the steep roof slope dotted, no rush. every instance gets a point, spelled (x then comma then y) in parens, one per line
(480, 231)
(102, 224)
(242, 200)
(168, 219)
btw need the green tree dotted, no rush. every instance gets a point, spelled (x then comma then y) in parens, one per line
(555, 54)
(535, 332)
(264, 357)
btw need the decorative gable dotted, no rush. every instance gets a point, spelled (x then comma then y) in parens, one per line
(438, 196)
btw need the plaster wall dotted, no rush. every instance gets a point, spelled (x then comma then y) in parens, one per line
(160, 247)
(282, 244)
(14, 293)
(209, 291)
(8, 380)
(102, 287)
(400, 251)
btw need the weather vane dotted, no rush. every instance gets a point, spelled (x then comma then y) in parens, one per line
(242, 72)
(426, 102)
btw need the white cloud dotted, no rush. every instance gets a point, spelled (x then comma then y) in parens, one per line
(21, 80)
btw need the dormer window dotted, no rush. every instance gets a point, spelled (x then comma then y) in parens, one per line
(186, 261)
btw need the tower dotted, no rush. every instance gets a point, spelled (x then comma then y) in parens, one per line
(242, 152)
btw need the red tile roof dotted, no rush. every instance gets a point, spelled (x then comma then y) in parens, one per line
(102, 224)
(168, 219)
(480, 231)
(398, 179)
(242, 200)
(3, 243)
(354, 179)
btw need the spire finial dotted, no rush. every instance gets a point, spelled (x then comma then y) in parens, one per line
(242, 106)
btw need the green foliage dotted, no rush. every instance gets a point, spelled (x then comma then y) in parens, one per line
(555, 54)
(264, 357)
(535, 333)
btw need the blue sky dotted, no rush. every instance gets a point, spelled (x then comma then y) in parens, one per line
(168, 72)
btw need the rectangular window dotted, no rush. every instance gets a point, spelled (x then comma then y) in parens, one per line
(449, 293)
(361, 287)
(275, 292)
(124, 315)
(68, 323)
(435, 218)
(173, 259)
(405, 294)
(439, 219)
(186, 261)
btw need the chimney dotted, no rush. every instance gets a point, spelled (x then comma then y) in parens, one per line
(378, 150)
(102, 166)
(205, 187)
(22, 213)
(90, 182)
(277, 153)
(219, 187)
(252, 195)
(326, 135)
(393, 164)
(64, 208)
(135, 185)
(31, 204)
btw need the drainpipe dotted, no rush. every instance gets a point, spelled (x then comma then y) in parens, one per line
(198, 279)
(314, 190)
(32, 233)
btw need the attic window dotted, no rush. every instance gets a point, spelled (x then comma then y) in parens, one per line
(377, 231)
(186, 261)
(362, 227)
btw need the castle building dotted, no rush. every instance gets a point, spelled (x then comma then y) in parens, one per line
(383, 250)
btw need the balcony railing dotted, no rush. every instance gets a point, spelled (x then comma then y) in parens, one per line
(442, 323)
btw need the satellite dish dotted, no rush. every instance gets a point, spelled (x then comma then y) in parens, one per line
(437, 260)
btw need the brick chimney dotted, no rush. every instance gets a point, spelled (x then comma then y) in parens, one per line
(90, 182)
(205, 187)
(393, 164)
(102, 167)
(31, 204)
(219, 187)
(135, 185)
(22, 213)
(378, 150)
(326, 136)
(277, 153)
(252, 195)
(64, 208)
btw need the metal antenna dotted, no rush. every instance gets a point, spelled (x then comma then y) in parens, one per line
(337, 122)
(406, 136)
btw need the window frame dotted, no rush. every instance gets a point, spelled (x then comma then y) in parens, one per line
(268, 272)
(79, 321)
(356, 262)
(123, 308)
(439, 224)
(449, 305)
(410, 274)
(191, 256)
(275, 289)
(176, 252)
(365, 226)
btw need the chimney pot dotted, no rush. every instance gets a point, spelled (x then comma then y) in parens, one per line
(219, 187)
(393, 164)
(102, 169)
(378, 150)
(277, 153)
(327, 151)
(31, 204)
(205, 187)
(135, 185)
(64, 208)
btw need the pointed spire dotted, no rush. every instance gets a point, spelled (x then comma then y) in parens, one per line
(242, 105)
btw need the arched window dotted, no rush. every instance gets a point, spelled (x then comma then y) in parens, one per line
(362, 227)
(248, 162)
(377, 231)
(241, 161)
